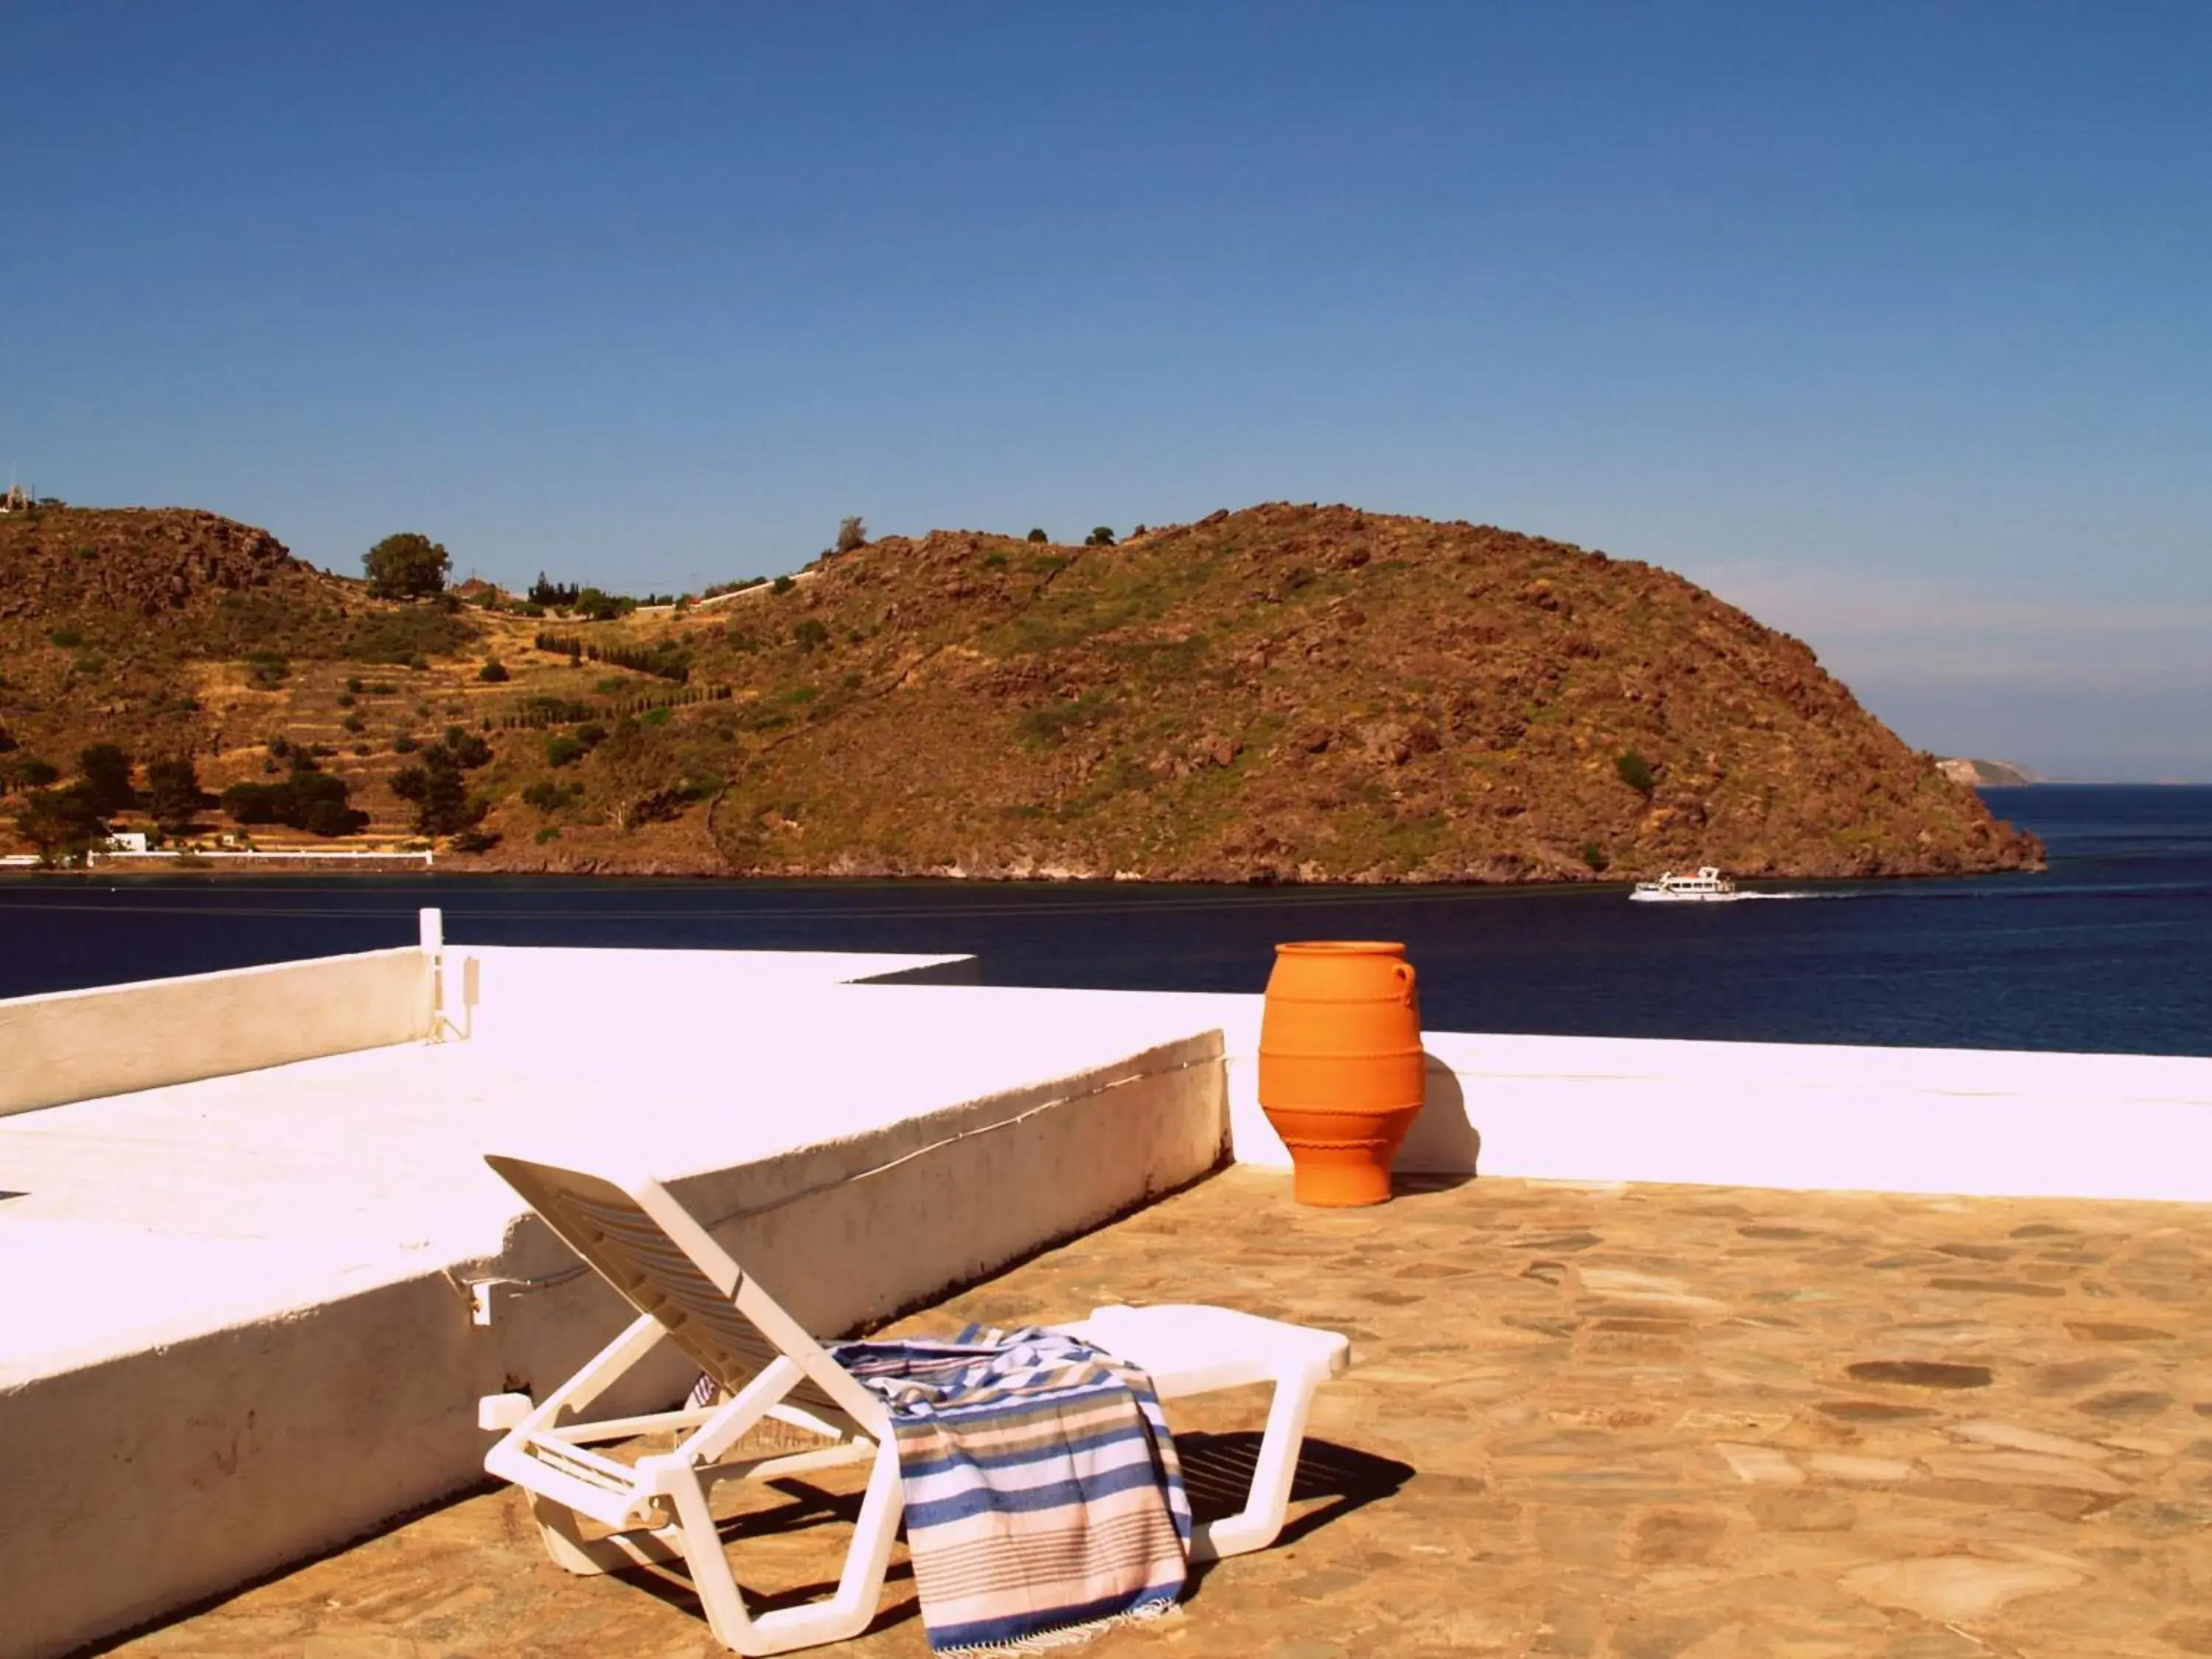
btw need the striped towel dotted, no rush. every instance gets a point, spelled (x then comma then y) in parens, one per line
(1043, 1500)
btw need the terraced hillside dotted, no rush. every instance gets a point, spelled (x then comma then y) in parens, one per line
(176, 633)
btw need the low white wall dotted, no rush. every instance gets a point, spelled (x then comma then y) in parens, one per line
(1802, 1116)
(82, 1045)
(180, 1471)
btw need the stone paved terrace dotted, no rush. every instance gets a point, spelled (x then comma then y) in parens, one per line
(1635, 1421)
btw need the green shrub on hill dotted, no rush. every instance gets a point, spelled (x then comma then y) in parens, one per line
(62, 824)
(309, 799)
(592, 606)
(403, 638)
(174, 794)
(1049, 725)
(664, 659)
(549, 711)
(442, 806)
(548, 797)
(106, 768)
(466, 748)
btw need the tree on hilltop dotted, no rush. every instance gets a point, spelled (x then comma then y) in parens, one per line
(592, 606)
(407, 566)
(851, 534)
(552, 595)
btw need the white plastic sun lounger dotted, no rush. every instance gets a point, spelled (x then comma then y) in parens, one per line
(688, 1292)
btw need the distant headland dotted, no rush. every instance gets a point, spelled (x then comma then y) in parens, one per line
(1994, 772)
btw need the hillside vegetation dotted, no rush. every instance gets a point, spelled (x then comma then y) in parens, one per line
(1285, 693)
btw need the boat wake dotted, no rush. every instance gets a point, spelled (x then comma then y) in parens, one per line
(1743, 897)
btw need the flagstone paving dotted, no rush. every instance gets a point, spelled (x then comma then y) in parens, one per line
(1632, 1422)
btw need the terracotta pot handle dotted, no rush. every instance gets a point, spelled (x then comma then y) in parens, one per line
(1404, 970)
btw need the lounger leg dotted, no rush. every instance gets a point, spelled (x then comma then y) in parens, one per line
(566, 1543)
(838, 1618)
(861, 1583)
(1254, 1526)
(709, 1564)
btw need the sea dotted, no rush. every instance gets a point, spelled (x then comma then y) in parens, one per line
(2108, 950)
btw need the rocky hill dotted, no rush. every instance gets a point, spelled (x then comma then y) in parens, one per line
(1286, 693)
(136, 562)
(172, 632)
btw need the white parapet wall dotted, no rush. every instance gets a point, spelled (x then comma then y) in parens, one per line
(1805, 1116)
(1813, 1116)
(1802, 1116)
(80, 1045)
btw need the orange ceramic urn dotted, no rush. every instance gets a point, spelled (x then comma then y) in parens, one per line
(1340, 1066)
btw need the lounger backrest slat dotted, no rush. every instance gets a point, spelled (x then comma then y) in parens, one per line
(659, 1279)
(633, 1253)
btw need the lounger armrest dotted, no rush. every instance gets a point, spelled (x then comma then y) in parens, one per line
(609, 1506)
(1192, 1348)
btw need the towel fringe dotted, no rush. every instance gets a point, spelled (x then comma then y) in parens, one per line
(1066, 1635)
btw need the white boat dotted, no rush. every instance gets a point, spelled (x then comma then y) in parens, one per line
(1707, 886)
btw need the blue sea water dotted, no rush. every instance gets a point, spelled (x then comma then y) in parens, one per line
(2111, 950)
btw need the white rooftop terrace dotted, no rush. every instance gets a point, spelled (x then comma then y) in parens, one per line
(255, 1274)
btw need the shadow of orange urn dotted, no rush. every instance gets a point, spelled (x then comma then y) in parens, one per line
(1341, 1074)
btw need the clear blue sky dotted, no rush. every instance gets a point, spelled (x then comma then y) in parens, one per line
(1891, 322)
